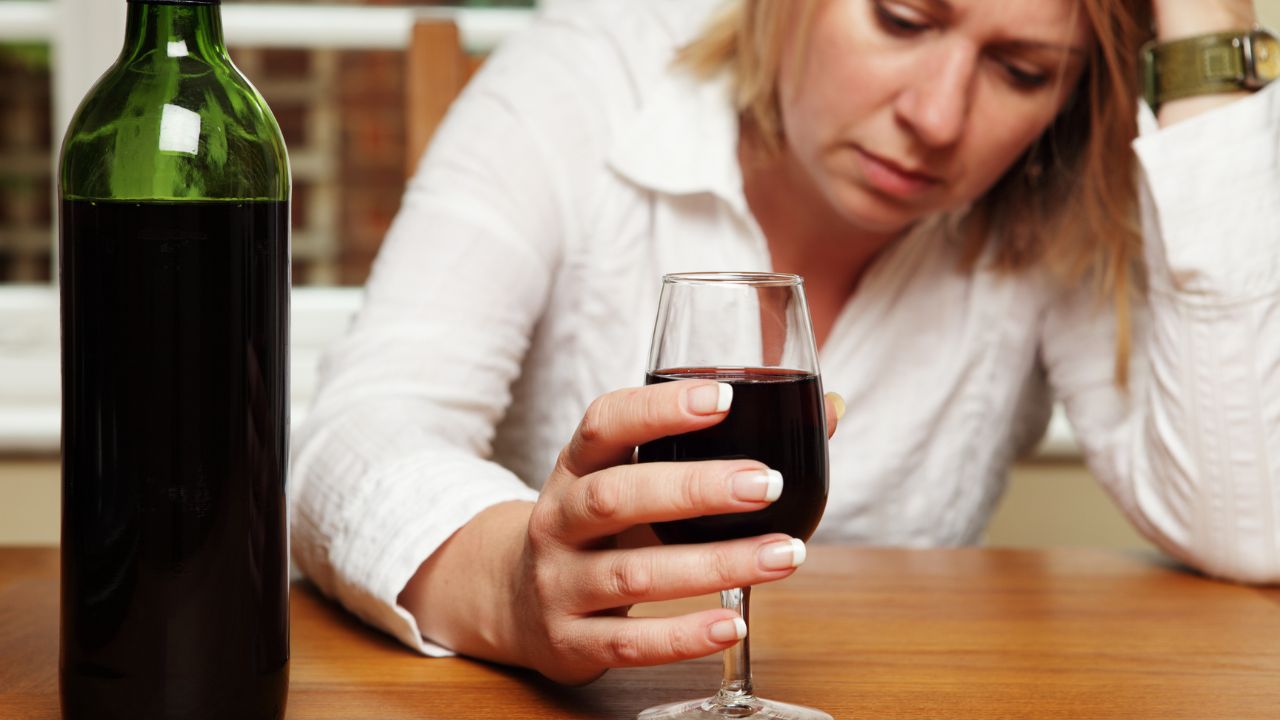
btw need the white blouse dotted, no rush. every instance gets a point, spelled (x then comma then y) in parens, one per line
(520, 281)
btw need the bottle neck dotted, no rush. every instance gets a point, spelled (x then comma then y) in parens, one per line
(174, 30)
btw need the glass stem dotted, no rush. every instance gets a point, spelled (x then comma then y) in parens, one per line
(736, 688)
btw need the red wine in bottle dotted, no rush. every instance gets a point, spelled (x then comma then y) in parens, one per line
(175, 594)
(777, 418)
(174, 281)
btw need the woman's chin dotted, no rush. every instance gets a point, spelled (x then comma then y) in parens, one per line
(881, 216)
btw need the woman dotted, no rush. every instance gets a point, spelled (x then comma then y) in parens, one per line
(956, 185)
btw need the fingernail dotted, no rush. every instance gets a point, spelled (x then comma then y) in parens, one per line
(758, 485)
(838, 402)
(728, 630)
(783, 555)
(710, 399)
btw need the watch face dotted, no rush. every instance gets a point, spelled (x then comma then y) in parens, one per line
(1266, 57)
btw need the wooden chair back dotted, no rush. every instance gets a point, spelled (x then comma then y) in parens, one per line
(437, 68)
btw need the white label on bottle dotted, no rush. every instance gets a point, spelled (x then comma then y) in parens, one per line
(179, 130)
(178, 49)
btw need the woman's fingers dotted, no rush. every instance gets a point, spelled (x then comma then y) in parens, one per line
(620, 578)
(607, 502)
(835, 411)
(616, 423)
(615, 642)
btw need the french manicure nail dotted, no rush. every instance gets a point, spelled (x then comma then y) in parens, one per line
(710, 399)
(757, 485)
(728, 630)
(838, 402)
(783, 555)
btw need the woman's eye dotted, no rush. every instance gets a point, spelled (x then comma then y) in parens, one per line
(1023, 77)
(900, 20)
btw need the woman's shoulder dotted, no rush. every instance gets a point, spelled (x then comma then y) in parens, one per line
(613, 49)
(633, 22)
(565, 90)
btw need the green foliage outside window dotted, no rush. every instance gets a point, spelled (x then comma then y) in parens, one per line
(27, 56)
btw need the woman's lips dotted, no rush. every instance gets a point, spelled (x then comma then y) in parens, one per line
(892, 179)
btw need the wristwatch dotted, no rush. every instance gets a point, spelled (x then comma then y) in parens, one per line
(1209, 64)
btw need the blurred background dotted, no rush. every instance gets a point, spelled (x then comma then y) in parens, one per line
(335, 76)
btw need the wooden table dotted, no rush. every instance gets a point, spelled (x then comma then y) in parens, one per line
(861, 633)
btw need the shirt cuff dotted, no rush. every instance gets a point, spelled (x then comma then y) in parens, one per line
(362, 541)
(1214, 180)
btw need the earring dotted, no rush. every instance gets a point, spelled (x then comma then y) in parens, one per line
(1033, 171)
(1034, 166)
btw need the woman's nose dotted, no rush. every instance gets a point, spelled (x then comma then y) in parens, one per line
(935, 103)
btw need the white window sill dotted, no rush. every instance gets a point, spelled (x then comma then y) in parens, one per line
(30, 359)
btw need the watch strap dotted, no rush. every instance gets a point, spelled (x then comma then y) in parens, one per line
(1209, 64)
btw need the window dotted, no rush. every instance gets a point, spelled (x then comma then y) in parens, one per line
(26, 202)
(333, 75)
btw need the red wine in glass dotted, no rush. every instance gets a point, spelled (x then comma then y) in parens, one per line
(777, 419)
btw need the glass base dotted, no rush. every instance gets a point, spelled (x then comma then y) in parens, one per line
(741, 708)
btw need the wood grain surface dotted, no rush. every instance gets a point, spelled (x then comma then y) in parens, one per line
(861, 633)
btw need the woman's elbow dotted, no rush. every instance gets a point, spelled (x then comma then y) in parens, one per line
(1247, 566)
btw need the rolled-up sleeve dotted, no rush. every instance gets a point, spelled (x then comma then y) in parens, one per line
(394, 455)
(1192, 452)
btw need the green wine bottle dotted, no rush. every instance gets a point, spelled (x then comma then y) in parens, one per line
(174, 279)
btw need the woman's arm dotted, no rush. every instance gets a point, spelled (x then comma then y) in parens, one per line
(397, 510)
(1192, 453)
(394, 455)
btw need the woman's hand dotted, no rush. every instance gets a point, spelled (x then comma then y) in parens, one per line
(547, 586)
(578, 586)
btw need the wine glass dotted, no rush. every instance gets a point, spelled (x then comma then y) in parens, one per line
(752, 331)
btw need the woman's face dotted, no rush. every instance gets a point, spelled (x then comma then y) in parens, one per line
(901, 108)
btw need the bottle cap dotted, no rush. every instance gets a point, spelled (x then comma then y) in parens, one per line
(177, 2)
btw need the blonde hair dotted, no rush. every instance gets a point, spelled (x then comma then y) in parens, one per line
(1069, 203)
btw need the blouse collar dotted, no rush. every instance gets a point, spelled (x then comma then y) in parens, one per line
(684, 141)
